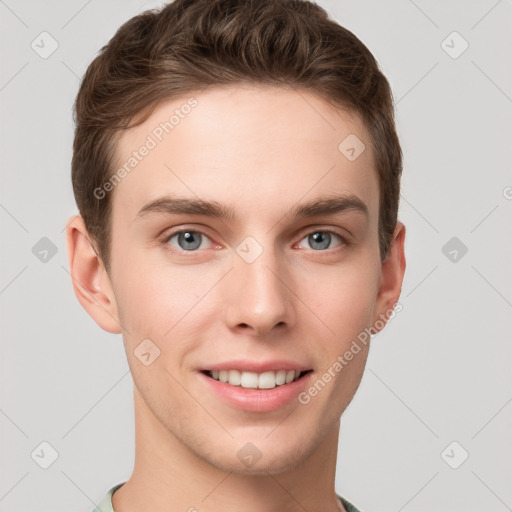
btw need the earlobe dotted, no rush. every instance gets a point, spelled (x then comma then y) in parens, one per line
(392, 275)
(90, 280)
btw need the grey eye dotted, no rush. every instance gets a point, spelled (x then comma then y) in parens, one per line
(188, 240)
(323, 239)
(319, 240)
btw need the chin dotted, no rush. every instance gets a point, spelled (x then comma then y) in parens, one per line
(261, 456)
(265, 466)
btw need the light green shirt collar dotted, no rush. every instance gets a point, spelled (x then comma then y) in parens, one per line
(106, 502)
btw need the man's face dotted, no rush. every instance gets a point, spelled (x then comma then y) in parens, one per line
(264, 287)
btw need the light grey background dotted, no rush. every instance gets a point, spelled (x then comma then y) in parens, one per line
(438, 373)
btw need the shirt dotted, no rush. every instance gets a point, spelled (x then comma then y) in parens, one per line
(106, 503)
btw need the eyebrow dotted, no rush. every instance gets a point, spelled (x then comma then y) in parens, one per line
(322, 206)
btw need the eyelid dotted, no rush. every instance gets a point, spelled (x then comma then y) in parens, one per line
(313, 228)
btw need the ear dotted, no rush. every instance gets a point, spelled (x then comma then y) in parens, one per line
(91, 282)
(391, 278)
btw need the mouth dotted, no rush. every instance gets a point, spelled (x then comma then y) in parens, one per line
(255, 380)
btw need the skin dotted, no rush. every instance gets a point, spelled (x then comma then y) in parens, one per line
(260, 150)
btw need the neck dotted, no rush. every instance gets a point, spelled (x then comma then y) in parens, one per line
(168, 476)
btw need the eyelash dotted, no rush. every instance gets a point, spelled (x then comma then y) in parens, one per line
(345, 242)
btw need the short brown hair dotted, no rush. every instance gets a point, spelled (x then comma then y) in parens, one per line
(189, 45)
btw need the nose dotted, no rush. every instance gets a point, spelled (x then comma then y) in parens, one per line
(258, 296)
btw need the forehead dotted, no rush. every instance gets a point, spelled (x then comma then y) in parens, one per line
(244, 145)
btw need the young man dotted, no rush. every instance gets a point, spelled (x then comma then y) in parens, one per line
(237, 172)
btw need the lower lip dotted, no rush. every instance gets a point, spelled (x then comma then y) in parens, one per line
(257, 400)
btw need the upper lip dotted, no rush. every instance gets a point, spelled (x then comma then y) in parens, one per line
(258, 366)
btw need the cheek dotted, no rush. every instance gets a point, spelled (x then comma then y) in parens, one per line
(345, 305)
(158, 300)
(343, 296)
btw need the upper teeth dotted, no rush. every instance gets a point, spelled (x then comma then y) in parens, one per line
(265, 380)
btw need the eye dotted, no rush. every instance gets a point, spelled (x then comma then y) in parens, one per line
(187, 240)
(321, 239)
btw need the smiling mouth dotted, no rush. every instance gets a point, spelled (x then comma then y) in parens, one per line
(253, 380)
